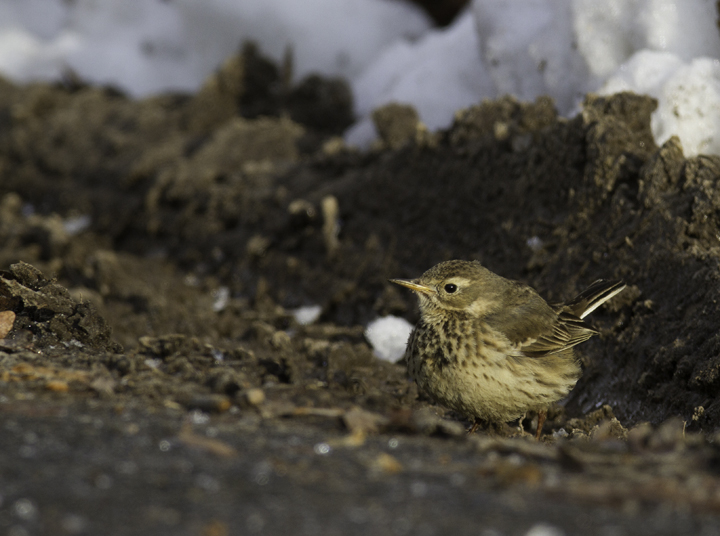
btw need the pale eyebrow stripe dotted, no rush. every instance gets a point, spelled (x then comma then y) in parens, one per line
(459, 281)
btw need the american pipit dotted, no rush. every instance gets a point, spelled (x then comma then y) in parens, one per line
(493, 349)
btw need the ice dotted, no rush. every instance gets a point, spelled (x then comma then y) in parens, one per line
(388, 336)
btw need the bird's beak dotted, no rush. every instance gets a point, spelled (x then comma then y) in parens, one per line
(412, 285)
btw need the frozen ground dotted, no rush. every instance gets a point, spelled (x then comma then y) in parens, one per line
(390, 52)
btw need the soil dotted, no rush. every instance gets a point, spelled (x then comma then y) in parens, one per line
(153, 379)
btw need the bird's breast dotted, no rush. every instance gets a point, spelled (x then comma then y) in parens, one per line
(436, 345)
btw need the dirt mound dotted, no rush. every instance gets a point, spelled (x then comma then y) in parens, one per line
(46, 315)
(232, 201)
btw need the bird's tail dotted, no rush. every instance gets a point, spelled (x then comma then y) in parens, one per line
(594, 296)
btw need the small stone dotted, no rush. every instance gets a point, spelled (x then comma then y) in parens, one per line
(207, 403)
(396, 124)
(7, 320)
(333, 146)
(280, 340)
(215, 528)
(358, 420)
(257, 246)
(254, 397)
(301, 206)
(385, 463)
(58, 386)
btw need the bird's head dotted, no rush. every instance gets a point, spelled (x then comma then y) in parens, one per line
(454, 286)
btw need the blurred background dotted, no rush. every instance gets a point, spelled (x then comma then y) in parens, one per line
(439, 56)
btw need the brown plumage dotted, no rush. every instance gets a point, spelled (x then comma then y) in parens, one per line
(493, 349)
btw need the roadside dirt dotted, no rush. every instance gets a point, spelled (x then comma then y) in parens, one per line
(153, 379)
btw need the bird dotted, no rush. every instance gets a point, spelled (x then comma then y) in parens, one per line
(491, 348)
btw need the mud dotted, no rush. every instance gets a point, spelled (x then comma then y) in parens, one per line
(154, 380)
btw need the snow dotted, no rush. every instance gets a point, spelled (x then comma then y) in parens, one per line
(332, 37)
(149, 46)
(528, 48)
(388, 51)
(420, 74)
(664, 48)
(689, 94)
(307, 314)
(221, 298)
(388, 336)
(77, 224)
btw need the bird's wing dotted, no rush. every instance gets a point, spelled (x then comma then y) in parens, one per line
(565, 333)
(534, 328)
(593, 297)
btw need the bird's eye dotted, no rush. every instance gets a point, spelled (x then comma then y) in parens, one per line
(450, 288)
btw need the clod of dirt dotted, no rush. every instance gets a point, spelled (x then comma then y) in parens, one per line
(396, 124)
(44, 310)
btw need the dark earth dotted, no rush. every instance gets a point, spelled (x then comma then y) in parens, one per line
(153, 379)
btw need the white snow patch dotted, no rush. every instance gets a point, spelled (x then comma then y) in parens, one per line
(307, 314)
(388, 336)
(221, 297)
(149, 46)
(439, 74)
(77, 224)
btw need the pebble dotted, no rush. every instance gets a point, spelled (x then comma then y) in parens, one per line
(254, 397)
